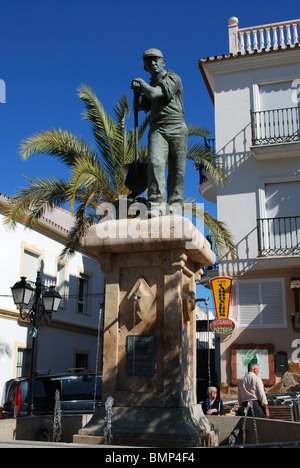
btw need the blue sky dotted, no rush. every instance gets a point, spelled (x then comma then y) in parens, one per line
(49, 47)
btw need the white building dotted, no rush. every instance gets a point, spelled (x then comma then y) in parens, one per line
(255, 90)
(71, 338)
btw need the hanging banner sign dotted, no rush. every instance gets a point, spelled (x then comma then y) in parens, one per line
(221, 288)
(222, 326)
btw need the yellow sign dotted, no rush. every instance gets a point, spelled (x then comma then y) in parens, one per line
(221, 288)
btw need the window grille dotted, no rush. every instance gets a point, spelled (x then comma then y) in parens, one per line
(23, 362)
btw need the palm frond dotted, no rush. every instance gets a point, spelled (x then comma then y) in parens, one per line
(96, 178)
(33, 201)
(73, 241)
(198, 131)
(142, 149)
(202, 154)
(222, 237)
(58, 143)
(89, 173)
(213, 164)
(104, 128)
(122, 110)
(89, 200)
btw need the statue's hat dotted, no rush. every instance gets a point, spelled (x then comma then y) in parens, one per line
(152, 53)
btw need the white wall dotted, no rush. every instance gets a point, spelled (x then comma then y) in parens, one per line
(57, 347)
(10, 335)
(240, 203)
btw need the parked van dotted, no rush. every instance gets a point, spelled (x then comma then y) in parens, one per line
(78, 394)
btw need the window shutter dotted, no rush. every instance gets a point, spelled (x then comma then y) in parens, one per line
(261, 303)
(272, 303)
(248, 303)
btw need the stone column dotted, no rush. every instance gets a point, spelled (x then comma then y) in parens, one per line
(149, 347)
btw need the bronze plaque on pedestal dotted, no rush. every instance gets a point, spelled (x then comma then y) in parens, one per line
(141, 355)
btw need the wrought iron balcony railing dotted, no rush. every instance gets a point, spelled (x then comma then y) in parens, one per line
(275, 126)
(278, 236)
(209, 146)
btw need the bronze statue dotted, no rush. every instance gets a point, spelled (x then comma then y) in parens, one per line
(167, 138)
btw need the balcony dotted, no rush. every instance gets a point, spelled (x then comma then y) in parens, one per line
(271, 36)
(271, 129)
(207, 185)
(275, 126)
(278, 237)
(209, 272)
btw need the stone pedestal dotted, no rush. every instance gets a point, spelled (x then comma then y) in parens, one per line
(149, 340)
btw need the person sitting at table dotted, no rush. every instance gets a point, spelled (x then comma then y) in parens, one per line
(212, 405)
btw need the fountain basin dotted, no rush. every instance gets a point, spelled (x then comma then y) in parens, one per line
(151, 427)
(268, 430)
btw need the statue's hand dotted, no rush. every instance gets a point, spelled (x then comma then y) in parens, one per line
(137, 84)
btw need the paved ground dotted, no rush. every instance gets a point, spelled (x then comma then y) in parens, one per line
(116, 448)
(33, 444)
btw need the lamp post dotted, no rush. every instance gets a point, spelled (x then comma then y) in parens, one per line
(38, 308)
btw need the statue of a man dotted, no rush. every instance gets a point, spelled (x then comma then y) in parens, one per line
(167, 138)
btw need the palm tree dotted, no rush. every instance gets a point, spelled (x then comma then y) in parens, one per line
(96, 174)
(205, 158)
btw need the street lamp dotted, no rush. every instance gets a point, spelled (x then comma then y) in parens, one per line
(51, 300)
(22, 293)
(38, 308)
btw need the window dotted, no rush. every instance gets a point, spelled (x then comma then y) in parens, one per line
(282, 199)
(83, 294)
(277, 96)
(61, 282)
(23, 362)
(32, 262)
(82, 361)
(81, 388)
(261, 303)
(276, 117)
(279, 228)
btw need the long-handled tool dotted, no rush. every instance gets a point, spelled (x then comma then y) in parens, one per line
(135, 173)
